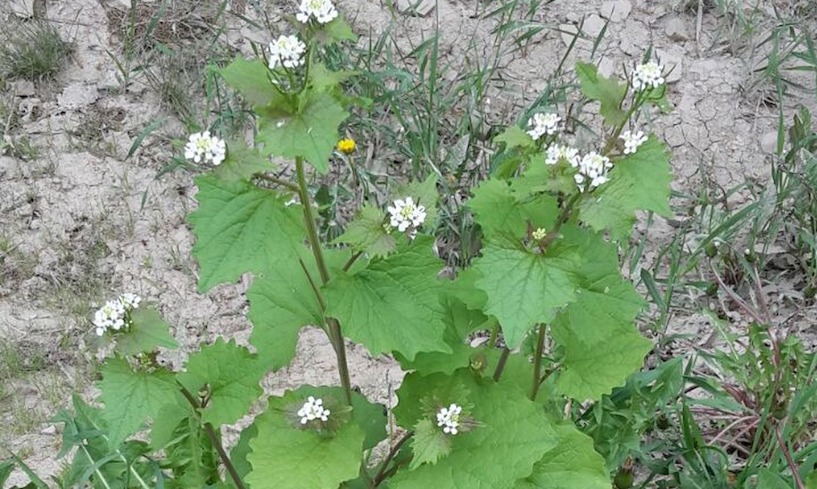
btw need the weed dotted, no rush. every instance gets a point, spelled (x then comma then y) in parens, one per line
(32, 50)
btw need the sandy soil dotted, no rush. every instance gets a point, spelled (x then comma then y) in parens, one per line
(75, 213)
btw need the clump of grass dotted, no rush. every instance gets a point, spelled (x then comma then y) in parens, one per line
(32, 50)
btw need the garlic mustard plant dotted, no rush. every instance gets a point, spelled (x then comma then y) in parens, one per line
(558, 152)
(286, 51)
(546, 350)
(648, 75)
(323, 11)
(632, 140)
(406, 215)
(543, 123)
(593, 169)
(312, 410)
(202, 147)
(449, 419)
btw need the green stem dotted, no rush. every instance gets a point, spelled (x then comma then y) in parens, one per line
(383, 473)
(500, 365)
(537, 362)
(228, 464)
(334, 332)
(351, 261)
(277, 181)
(208, 428)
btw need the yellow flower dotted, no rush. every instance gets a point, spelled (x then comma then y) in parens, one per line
(347, 145)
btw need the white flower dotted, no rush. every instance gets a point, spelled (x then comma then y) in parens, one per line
(109, 316)
(324, 11)
(287, 51)
(558, 152)
(593, 167)
(201, 146)
(632, 140)
(539, 234)
(130, 301)
(648, 75)
(313, 409)
(543, 123)
(449, 419)
(406, 214)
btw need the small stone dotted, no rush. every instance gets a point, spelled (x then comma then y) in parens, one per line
(49, 430)
(22, 88)
(23, 9)
(615, 11)
(676, 29)
(593, 25)
(420, 8)
(768, 142)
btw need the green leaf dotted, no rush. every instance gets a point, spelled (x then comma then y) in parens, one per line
(514, 136)
(231, 374)
(510, 435)
(323, 79)
(608, 91)
(240, 228)
(372, 420)
(460, 321)
(602, 345)
(639, 181)
(393, 304)
(6, 466)
(767, 479)
(428, 444)
(572, 464)
(366, 233)
(241, 450)
(281, 303)
(590, 370)
(811, 480)
(310, 133)
(131, 398)
(525, 288)
(251, 79)
(168, 419)
(287, 456)
(242, 163)
(502, 212)
(336, 31)
(147, 332)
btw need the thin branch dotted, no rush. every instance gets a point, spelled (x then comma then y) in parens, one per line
(500, 365)
(208, 428)
(277, 181)
(798, 481)
(382, 473)
(537, 362)
(351, 261)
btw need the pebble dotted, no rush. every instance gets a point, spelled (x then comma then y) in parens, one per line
(768, 142)
(49, 430)
(23, 88)
(593, 25)
(616, 11)
(676, 29)
(416, 7)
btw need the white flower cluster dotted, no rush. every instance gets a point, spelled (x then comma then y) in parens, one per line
(632, 140)
(543, 123)
(648, 75)
(287, 51)
(449, 419)
(201, 146)
(405, 214)
(539, 234)
(323, 11)
(313, 409)
(113, 314)
(558, 152)
(593, 167)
